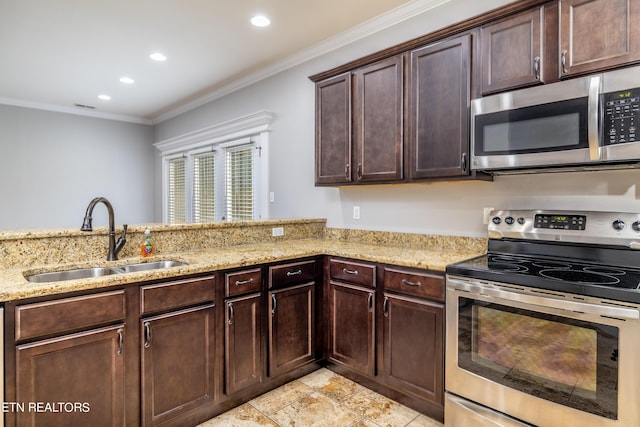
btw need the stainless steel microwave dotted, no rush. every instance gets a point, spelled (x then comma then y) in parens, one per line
(586, 122)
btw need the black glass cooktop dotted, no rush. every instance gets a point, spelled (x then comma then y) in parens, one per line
(613, 282)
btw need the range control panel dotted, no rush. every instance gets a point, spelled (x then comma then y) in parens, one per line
(621, 115)
(602, 228)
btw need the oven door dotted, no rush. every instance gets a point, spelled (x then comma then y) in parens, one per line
(542, 126)
(543, 357)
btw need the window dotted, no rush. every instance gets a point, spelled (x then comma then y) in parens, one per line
(220, 177)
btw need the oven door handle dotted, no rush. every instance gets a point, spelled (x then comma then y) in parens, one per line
(570, 306)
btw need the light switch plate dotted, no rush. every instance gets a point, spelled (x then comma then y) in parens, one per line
(277, 231)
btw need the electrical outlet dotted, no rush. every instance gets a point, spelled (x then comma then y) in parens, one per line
(277, 231)
(486, 215)
(356, 212)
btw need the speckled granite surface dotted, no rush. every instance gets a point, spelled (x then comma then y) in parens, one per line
(212, 247)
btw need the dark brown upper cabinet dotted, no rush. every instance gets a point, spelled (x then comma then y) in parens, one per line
(378, 121)
(598, 34)
(439, 99)
(333, 130)
(520, 50)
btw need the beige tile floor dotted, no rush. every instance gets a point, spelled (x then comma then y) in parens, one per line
(324, 399)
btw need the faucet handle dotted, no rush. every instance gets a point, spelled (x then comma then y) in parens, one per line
(122, 239)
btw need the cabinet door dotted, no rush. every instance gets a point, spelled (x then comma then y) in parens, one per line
(243, 337)
(413, 346)
(333, 130)
(597, 34)
(352, 326)
(85, 369)
(378, 120)
(291, 321)
(177, 363)
(512, 52)
(439, 105)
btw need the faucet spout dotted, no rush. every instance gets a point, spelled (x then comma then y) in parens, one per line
(87, 225)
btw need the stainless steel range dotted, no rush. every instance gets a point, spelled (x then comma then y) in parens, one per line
(544, 329)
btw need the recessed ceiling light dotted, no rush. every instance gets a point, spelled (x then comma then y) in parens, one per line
(260, 21)
(127, 80)
(157, 56)
(104, 97)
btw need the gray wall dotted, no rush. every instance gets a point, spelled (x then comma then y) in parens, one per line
(52, 164)
(442, 208)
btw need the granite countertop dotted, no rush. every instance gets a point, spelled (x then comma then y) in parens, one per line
(14, 286)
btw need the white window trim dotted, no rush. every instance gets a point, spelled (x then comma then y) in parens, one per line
(254, 127)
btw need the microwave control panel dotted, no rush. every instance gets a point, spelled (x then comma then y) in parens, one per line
(621, 115)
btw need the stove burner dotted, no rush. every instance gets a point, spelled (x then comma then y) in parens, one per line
(581, 277)
(551, 264)
(605, 270)
(507, 267)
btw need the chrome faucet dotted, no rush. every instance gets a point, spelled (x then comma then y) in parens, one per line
(114, 247)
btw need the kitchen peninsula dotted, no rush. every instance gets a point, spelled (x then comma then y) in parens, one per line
(280, 326)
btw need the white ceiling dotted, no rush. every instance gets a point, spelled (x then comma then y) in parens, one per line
(58, 53)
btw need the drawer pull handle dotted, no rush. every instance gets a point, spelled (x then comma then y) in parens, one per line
(120, 340)
(385, 307)
(147, 335)
(230, 321)
(294, 273)
(274, 304)
(243, 282)
(347, 271)
(408, 283)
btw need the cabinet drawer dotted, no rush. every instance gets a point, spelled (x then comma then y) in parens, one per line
(353, 272)
(243, 282)
(421, 284)
(69, 314)
(291, 274)
(172, 295)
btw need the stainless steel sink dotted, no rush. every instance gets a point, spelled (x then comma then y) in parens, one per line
(85, 273)
(77, 273)
(154, 265)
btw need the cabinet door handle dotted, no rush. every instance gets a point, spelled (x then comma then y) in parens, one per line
(463, 162)
(563, 61)
(385, 306)
(408, 283)
(274, 304)
(120, 340)
(244, 282)
(536, 67)
(147, 335)
(294, 273)
(370, 302)
(347, 171)
(359, 170)
(230, 312)
(347, 271)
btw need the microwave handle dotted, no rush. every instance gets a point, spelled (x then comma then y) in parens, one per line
(592, 117)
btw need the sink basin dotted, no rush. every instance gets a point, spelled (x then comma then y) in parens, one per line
(85, 273)
(154, 265)
(78, 273)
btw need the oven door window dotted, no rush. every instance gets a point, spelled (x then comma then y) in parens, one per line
(563, 360)
(557, 126)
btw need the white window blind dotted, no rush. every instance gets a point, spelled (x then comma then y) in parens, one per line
(203, 184)
(177, 190)
(240, 186)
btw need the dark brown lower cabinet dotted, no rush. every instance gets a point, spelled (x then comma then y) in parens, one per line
(177, 369)
(291, 328)
(80, 376)
(243, 338)
(352, 326)
(413, 346)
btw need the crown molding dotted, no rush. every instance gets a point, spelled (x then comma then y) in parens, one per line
(74, 110)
